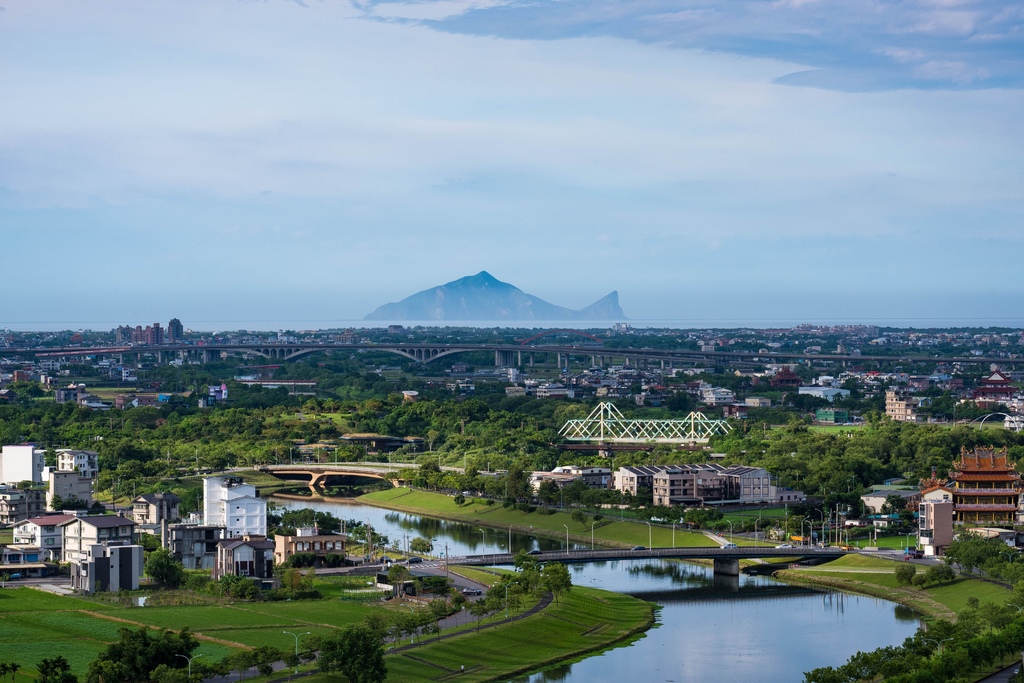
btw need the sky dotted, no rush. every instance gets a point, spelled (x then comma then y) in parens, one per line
(734, 162)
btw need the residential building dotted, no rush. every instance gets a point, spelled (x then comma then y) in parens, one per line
(65, 486)
(786, 378)
(832, 416)
(193, 545)
(20, 504)
(175, 331)
(234, 505)
(875, 500)
(44, 533)
(154, 508)
(21, 463)
(308, 540)
(251, 556)
(901, 408)
(935, 526)
(986, 487)
(701, 483)
(28, 560)
(110, 568)
(81, 534)
(85, 463)
(758, 402)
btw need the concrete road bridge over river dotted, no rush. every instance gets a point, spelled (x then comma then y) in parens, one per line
(726, 560)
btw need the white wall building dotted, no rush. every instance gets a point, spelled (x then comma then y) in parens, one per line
(86, 462)
(21, 463)
(43, 532)
(232, 504)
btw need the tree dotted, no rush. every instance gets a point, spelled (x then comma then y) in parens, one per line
(422, 545)
(138, 652)
(357, 653)
(555, 578)
(579, 517)
(162, 568)
(56, 670)
(905, 573)
(970, 551)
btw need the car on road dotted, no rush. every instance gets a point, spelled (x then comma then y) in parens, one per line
(472, 591)
(534, 552)
(639, 547)
(14, 576)
(784, 545)
(728, 545)
(415, 560)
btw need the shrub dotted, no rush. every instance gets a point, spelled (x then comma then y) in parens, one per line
(905, 573)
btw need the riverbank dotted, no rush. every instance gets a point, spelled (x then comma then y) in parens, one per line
(876, 577)
(607, 531)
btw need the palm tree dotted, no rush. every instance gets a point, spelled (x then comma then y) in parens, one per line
(5, 669)
(13, 666)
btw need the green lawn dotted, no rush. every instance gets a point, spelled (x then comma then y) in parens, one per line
(609, 530)
(601, 618)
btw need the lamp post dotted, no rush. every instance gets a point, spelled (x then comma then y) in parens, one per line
(592, 535)
(650, 536)
(506, 600)
(803, 538)
(296, 636)
(189, 660)
(730, 530)
(509, 539)
(566, 539)
(483, 542)
(938, 643)
(908, 540)
(673, 534)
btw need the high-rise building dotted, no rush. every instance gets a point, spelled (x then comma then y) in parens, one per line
(175, 331)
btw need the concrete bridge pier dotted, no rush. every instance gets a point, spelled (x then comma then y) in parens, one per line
(727, 567)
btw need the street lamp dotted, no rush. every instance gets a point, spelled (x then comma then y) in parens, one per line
(506, 600)
(938, 643)
(509, 539)
(296, 636)
(483, 542)
(908, 539)
(566, 538)
(650, 536)
(592, 535)
(730, 530)
(673, 534)
(189, 660)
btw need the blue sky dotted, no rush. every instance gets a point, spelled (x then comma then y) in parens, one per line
(739, 161)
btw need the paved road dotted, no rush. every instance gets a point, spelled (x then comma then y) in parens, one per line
(1002, 676)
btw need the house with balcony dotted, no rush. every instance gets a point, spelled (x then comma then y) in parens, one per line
(44, 533)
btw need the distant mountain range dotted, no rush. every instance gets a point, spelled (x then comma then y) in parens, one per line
(484, 297)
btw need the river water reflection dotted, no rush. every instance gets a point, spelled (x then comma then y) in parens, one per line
(751, 629)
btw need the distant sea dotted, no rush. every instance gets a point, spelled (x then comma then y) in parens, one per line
(681, 323)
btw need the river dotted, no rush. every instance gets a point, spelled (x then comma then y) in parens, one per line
(711, 630)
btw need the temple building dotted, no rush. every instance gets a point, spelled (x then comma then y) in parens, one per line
(986, 487)
(994, 389)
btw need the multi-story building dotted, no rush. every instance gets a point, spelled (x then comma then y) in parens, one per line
(702, 483)
(154, 508)
(44, 533)
(996, 388)
(194, 545)
(21, 463)
(175, 331)
(308, 541)
(246, 556)
(65, 487)
(234, 505)
(85, 463)
(986, 487)
(20, 504)
(935, 526)
(900, 407)
(108, 568)
(80, 534)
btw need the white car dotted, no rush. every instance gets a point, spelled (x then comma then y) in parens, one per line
(784, 545)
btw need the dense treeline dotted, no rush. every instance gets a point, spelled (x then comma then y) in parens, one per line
(488, 432)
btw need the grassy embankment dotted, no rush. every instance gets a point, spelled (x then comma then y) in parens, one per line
(875, 576)
(608, 531)
(35, 624)
(585, 620)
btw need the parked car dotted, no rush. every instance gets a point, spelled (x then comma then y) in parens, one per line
(15, 575)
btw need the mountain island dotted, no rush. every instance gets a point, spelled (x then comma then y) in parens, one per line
(484, 297)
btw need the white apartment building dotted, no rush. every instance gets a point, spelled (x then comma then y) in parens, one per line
(234, 505)
(67, 485)
(85, 462)
(21, 463)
